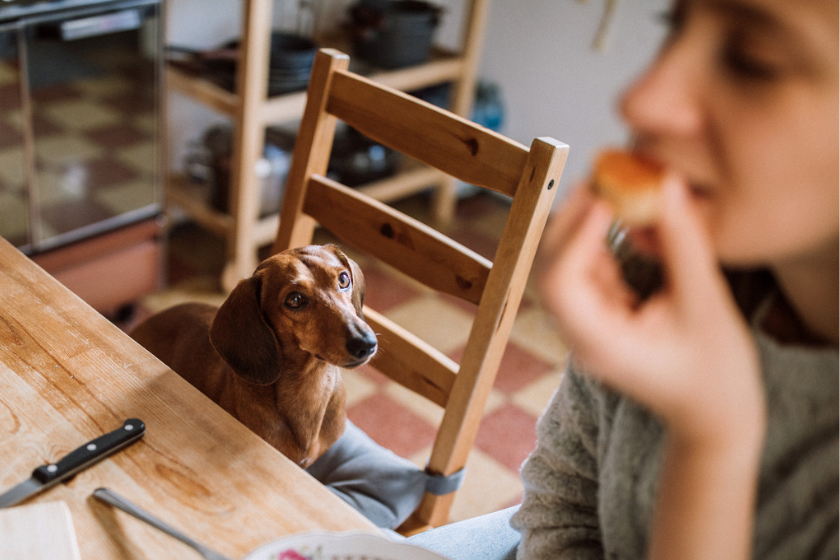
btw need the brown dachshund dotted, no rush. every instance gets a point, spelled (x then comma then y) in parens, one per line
(270, 355)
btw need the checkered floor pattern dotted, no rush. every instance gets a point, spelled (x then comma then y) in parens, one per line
(94, 147)
(390, 414)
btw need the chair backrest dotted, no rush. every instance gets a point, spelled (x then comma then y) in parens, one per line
(467, 152)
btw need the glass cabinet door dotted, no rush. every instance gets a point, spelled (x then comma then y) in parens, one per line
(14, 208)
(94, 82)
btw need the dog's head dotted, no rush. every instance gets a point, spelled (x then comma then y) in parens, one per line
(301, 301)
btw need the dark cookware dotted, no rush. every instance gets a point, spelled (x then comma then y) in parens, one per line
(290, 62)
(355, 159)
(209, 162)
(393, 33)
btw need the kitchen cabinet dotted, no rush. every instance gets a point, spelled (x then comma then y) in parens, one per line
(80, 188)
(251, 111)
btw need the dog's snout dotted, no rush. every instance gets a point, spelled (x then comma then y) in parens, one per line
(361, 346)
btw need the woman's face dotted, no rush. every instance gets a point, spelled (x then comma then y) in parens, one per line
(743, 100)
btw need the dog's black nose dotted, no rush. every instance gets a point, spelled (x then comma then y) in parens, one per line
(361, 346)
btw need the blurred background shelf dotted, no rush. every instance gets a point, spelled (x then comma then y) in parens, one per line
(252, 110)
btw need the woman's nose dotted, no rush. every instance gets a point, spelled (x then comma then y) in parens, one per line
(666, 99)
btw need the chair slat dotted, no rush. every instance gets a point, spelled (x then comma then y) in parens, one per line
(312, 152)
(398, 240)
(494, 319)
(411, 361)
(463, 149)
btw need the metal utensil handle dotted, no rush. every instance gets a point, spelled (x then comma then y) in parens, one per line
(109, 496)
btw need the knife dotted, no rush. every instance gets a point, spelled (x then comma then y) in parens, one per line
(47, 476)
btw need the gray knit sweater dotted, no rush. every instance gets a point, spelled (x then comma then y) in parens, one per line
(590, 485)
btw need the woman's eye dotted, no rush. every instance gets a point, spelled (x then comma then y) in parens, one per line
(295, 300)
(745, 66)
(751, 55)
(343, 281)
(673, 19)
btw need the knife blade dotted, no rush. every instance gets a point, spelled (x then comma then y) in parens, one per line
(47, 476)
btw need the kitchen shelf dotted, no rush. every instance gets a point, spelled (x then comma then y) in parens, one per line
(252, 111)
(288, 106)
(192, 199)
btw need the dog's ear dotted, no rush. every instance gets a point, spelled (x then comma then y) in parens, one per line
(243, 339)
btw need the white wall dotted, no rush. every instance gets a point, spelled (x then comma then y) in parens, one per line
(554, 82)
(539, 51)
(203, 24)
(196, 24)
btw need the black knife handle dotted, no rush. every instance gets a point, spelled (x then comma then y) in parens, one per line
(91, 452)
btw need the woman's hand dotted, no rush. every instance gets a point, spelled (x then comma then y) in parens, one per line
(686, 353)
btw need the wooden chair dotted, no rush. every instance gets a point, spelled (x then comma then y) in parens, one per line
(468, 152)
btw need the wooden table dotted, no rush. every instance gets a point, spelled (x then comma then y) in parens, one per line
(67, 375)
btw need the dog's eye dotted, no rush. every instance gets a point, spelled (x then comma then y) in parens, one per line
(295, 300)
(343, 280)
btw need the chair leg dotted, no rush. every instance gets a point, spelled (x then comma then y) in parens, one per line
(444, 201)
(433, 512)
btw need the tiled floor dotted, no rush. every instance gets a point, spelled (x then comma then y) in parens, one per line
(530, 370)
(94, 142)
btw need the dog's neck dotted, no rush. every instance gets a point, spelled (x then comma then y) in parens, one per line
(309, 400)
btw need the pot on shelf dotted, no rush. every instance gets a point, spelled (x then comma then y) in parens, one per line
(393, 33)
(290, 62)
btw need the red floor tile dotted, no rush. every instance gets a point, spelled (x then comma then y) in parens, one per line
(106, 172)
(369, 372)
(392, 425)
(518, 368)
(508, 435)
(384, 291)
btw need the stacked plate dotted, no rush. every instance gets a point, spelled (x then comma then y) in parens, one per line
(346, 546)
(290, 63)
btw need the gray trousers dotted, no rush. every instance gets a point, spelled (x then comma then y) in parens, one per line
(487, 537)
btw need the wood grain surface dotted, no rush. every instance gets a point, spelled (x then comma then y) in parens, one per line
(67, 375)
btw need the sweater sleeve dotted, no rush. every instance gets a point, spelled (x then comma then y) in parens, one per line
(559, 513)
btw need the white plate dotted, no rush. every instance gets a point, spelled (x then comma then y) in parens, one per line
(341, 546)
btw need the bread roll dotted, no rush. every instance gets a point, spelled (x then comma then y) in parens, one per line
(631, 184)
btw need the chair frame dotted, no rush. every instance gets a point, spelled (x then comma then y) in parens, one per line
(461, 149)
